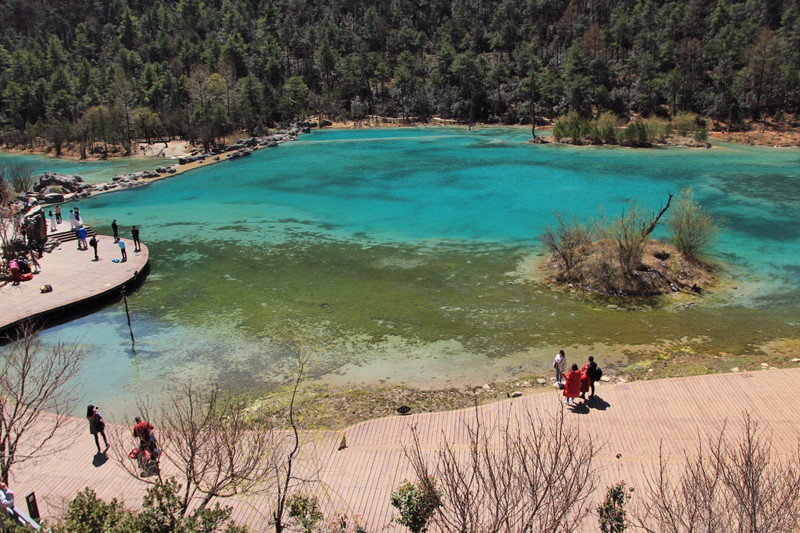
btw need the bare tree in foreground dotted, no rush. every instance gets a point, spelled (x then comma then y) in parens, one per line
(37, 392)
(732, 484)
(524, 474)
(219, 448)
(286, 449)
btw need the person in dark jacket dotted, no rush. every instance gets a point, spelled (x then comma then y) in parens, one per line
(137, 246)
(96, 425)
(588, 377)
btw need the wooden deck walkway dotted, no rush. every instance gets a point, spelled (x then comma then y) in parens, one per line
(75, 278)
(633, 420)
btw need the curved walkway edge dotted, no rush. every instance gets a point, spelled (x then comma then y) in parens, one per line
(631, 423)
(77, 280)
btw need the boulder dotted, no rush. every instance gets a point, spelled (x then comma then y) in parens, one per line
(53, 198)
(67, 183)
(36, 225)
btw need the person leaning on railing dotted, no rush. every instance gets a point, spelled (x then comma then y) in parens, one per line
(6, 504)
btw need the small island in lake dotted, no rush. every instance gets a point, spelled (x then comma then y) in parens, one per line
(618, 257)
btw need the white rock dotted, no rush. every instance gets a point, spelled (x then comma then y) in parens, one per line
(541, 381)
(487, 387)
(605, 379)
(735, 369)
(516, 394)
(622, 380)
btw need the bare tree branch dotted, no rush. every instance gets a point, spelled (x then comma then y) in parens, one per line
(524, 474)
(37, 392)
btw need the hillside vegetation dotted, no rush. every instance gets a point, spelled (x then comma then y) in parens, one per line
(96, 74)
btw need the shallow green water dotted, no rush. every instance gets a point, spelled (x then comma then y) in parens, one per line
(405, 255)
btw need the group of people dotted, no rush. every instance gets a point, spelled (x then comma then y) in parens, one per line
(143, 431)
(576, 382)
(137, 245)
(24, 265)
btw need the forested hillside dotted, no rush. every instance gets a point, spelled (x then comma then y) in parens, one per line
(91, 72)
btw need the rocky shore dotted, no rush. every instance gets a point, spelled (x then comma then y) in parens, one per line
(54, 188)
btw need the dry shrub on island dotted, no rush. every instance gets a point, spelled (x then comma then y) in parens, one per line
(617, 257)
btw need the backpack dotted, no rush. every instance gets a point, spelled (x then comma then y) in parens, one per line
(598, 373)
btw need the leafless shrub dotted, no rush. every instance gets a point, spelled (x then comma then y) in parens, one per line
(19, 177)
(526, 474)
(211, 439)
(730, 485)
(569, 242)
(37, 392)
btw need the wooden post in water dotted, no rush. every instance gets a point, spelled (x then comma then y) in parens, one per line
(128, 314)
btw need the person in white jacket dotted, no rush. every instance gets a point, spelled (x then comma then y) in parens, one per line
(6, 504)
(560, 364)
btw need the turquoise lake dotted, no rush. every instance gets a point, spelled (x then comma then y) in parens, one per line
(410, 256)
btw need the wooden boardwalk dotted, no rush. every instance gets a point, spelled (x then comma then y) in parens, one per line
(632, 421)
(75, 279)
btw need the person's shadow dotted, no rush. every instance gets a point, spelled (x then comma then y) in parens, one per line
(100, 458)
(598, 403)
(580, 408)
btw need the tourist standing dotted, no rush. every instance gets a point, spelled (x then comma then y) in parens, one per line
(137, 246)
(82, 238)
(34, 261)
(122, 249)
(72, 220)
(52, 218)
(560, 364)
(78, 219)
(115, 229)
(93, 244)
(6, 498)
(58, 214)
(96, 425)
(572, 388)
(588, 377)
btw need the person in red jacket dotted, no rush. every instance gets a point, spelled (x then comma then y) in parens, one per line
(143, 431)
(572, 388)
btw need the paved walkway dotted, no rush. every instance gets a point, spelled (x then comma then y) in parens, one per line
(74, 276)
(633, 420)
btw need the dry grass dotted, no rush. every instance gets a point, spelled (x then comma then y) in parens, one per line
(663, 271)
